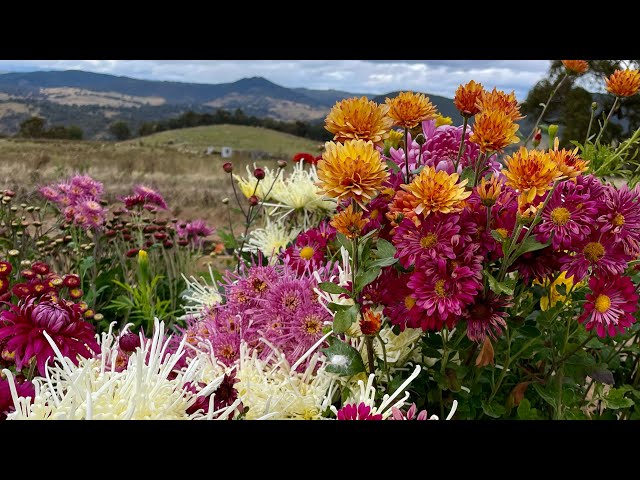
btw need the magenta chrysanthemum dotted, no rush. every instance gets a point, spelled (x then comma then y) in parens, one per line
(89, 214)
(537, 265)
(487, 316)
(25, 323)
(399, 301)
(351, 411)
(150, 196)
(621, 217)
(602, 255)
(431, 239)
(24, 389)
(610, 305)
(308, 251)
(195, 231)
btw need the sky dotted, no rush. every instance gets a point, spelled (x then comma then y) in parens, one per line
(437, 77)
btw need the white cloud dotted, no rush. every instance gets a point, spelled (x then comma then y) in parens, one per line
(438, 77)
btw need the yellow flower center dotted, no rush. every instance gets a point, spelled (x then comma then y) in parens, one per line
(228, 352)
(409, 302)
(439, 288)
(429, 241)
(312, 325)
(374, 214)
(593, 251)
(290, 302)
(618, 220)
(503, 232)
(307, 253)
(258, 285)
(602, 303)
(560, 216)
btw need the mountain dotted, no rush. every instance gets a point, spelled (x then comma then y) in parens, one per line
(93, 100)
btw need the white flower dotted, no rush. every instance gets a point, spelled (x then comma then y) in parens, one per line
(399, 348)
(270, 239)
(95, 390)
(200, 294)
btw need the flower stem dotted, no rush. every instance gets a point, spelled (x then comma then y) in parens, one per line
(462, 143)
(370, 355)
(544, 109)
(606, 122)
(505, 367)
(586, 139)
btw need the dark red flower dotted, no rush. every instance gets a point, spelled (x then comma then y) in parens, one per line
(25, 324)
(71, 281)
(5, 269)
(129, 342)
(259, 173)
(305, 157)
(24, 388)
(21, 290)
(228, 167)
(40, 268)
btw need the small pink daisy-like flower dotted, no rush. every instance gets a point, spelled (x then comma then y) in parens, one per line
(621, 217)
(132, 201)
(50, 193)
(487, 316)
(89, 214)
(308, 251)
(410, 415)
(431, 239)
(602, 255)
(375, 214)
(351, 411)
(226, 347)
(444, 288)
(195, 231)
(150, 196)
(326, 230)
(86, 186)
(24, 388)
(610, 306)
(568, 216)
(537, 265)
(25, 323)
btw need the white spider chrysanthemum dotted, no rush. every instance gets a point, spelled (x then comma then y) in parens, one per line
(366, 394)
(342, 279)
(200, 294)
(270, 239)
(271, 388)
(248, 185)
(95, 390)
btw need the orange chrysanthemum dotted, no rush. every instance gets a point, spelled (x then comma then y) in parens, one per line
(359, 119)
(437, 191)
(402, 206)
(348, 222)
(493, 130)
(568, 161)
(624, 83)
(408, 109)
(489, 191)
(353, 169)
(498, 100)
(576, 66)
(466, 98)
(530, 172)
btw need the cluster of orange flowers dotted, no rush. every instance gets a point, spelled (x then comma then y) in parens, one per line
(352, 167)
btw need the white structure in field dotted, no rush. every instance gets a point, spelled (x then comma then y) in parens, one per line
(226, 152)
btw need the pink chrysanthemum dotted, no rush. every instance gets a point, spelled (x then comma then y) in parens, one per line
(326, 230)
(568, 216)
(308, 251)
(621, 217)
(487, 316)
(431, 239)
(89, 214)
(399, 301)
(443, 288)
(150, 196)
(226, 347)
(351, 411)
(84, 185)
(610, 306)
(26, 322)
(410, 415)
(375, 214)
(600, 254)
(50, 193)
(24, 388)
(195, 232)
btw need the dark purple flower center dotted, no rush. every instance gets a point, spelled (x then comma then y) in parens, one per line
(51, 316)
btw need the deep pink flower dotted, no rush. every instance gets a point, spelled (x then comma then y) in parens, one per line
(410, 415)
(195, 231)
(326, 230)
(89, 214)
(24, 388)
(150, 196)
(487, 316)
(621, 217)
(50, 193)
(375, 214)
(602, 255)
(537, 265)
(351, 411)
(25, 323)
(610, 305)
(307, 252)
(399, 300)
(432, 239)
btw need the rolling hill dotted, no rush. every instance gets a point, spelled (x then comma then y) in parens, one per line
(93, 101)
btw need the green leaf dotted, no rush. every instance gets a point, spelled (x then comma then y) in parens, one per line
(383, 262)
(467, 174)
(385, 249)
(529, 331)
(525, 412)
(497, 237)
(615, 399)
(343, 319)
(547, 396)
(345, 242)
(365, 278)
(343, 359)
(331, 287)
(393, 166)
(561, 289)
(602, 375)
(529, 245)
(338, 307)
(498, 287)
(493, 410)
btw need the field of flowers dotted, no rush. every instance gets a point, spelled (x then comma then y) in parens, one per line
(414, 270)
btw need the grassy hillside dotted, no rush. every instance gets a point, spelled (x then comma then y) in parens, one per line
(238, 137)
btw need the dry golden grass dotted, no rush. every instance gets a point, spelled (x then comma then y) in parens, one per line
(193, 184)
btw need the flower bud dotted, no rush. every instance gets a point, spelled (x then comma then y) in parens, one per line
(129, 342)
(228, 167)
(253, 200)
(282, 163)
(259, 173)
